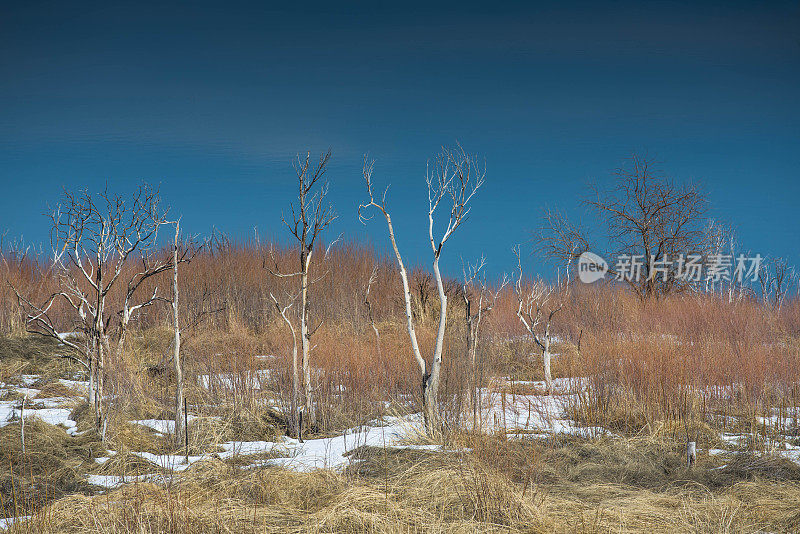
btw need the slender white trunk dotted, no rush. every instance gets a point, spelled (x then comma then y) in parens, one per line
(304, 337)
(548, 377)
(473, 324)
(412, 334)
(180, 407)
(294, 417)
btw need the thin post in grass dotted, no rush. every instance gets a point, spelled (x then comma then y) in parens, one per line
(22, 423)
(186, 428)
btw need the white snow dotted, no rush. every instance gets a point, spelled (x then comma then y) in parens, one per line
(81, 386)
(329, 453)
(533, 414)
(173, 462)
(9, 410)
(28, 393)
(163, 426)
(64, 335)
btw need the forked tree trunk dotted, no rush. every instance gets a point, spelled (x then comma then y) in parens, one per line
(449, 177)
(430, 383)
(412, 334)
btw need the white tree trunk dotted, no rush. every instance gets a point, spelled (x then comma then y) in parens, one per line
(691, 453)
(548, 377)
(180, 407)
(304, 339)
(430, 383)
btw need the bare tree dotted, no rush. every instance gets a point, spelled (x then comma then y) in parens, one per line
(479, 299)
(372, 278)
(777, 279)
(183, 253)
(453, 177)
(649, 221)
(181, 435)
(94, 237)
(538, 304)
(720, 241)
(308, 219)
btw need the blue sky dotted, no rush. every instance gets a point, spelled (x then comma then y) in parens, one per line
(211, 100)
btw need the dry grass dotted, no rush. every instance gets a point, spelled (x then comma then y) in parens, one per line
(54, 465)
(577, 486)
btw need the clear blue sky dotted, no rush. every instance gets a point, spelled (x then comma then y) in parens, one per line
(211, 100)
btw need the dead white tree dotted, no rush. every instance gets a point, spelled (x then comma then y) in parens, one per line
(94, 239)
(308, 219)
(479, 299)
(453, 178)
(180, 405)
(183, 253)
(538, 304)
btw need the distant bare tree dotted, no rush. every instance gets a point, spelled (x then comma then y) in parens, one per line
(479, 299)
(538, 303)
(646, 216)
(309, 217)
(720, 241)
(94, 237)
(453, 177)
(372, 278)
(777, 280)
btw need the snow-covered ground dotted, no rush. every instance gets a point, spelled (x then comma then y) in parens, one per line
(519, 409)
(51, 413)
(529, 414)
(329, 453)
(171, 462)
(162, 426)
